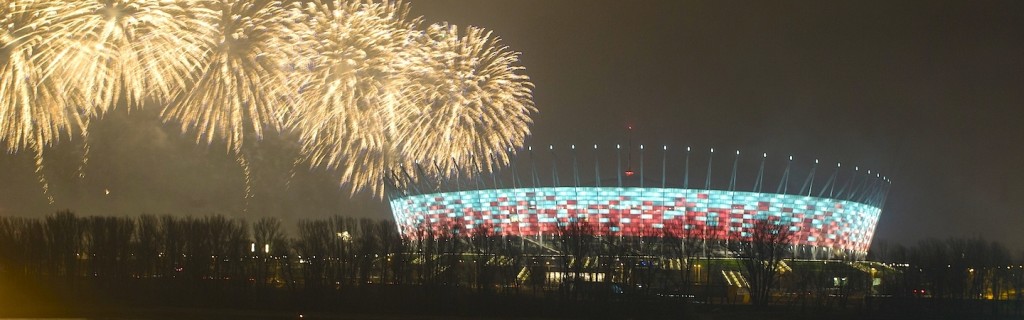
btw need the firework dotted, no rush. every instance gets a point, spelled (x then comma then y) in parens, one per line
(135, 49)
(472, 102)
(32, 113)
(240, 85)
(365, 90)
(348, 98)
(240, 88)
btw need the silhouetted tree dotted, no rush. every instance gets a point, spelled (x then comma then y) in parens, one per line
(483, 240)
(267, 236)
(763, 251)
(576, 238)
(108, 245)
(681, 242)
(63, 243)
(391, 247)
(146, 246)
(312, 246)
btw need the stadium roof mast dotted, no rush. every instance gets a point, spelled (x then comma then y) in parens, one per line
(629, 151)
(686, 170)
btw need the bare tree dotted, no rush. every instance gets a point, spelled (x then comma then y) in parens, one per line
(711, 235)
(147, 246)
(267, 234)
(681, 242)
(367, 249)
(312, 247)
(390, 246)
(484, 246)
(763, 251)
(108, 243)
(174, 242)
(576, 238)
(64, 243)
(426, 246)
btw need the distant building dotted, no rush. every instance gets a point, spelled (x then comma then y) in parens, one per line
(831, 211)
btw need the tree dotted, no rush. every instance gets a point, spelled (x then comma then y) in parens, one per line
(63, 242)
(711, 237)
(390, 246)
(267, 234)
(147, 246)
(312, 247)
(483, 240)
(763, 250)
(576, 239)
(681, 240)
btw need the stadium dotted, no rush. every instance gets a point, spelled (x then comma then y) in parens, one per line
(829, 211)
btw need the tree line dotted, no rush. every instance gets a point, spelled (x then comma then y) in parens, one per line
(336, 253)
(952, 269)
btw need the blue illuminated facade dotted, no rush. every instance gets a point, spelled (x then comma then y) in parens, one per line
(814, 221)
(834, 210)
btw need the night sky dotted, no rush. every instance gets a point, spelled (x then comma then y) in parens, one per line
(928, 93)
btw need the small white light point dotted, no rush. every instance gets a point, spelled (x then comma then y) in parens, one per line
(530, 148)
(595, 147)
(839, 164)
(618, 146)
(106, 191)
(573, 147)
(765, 154)
(815, 161)
(551, 147)
(712, 150)
(664, 148)
(641, 147)
(790, 158)
(687, 149)
(737, 152)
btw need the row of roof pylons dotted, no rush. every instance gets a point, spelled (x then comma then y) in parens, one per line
(864, 186)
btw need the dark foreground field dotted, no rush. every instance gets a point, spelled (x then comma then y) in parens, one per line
(144, 299)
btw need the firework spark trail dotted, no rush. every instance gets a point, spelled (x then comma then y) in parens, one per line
(349, 99)
(247, 174)
(106, 51)
(131, 49)
(474, 102)
(38, 157)
(240, 89)
(364, 89)
(241, 84)
(84, 134)
(33, 114)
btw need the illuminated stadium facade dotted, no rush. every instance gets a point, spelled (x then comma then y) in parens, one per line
(830, 213)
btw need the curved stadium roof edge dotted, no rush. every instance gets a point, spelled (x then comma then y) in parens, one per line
(825, 207)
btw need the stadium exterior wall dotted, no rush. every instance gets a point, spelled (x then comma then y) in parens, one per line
(816, 222)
